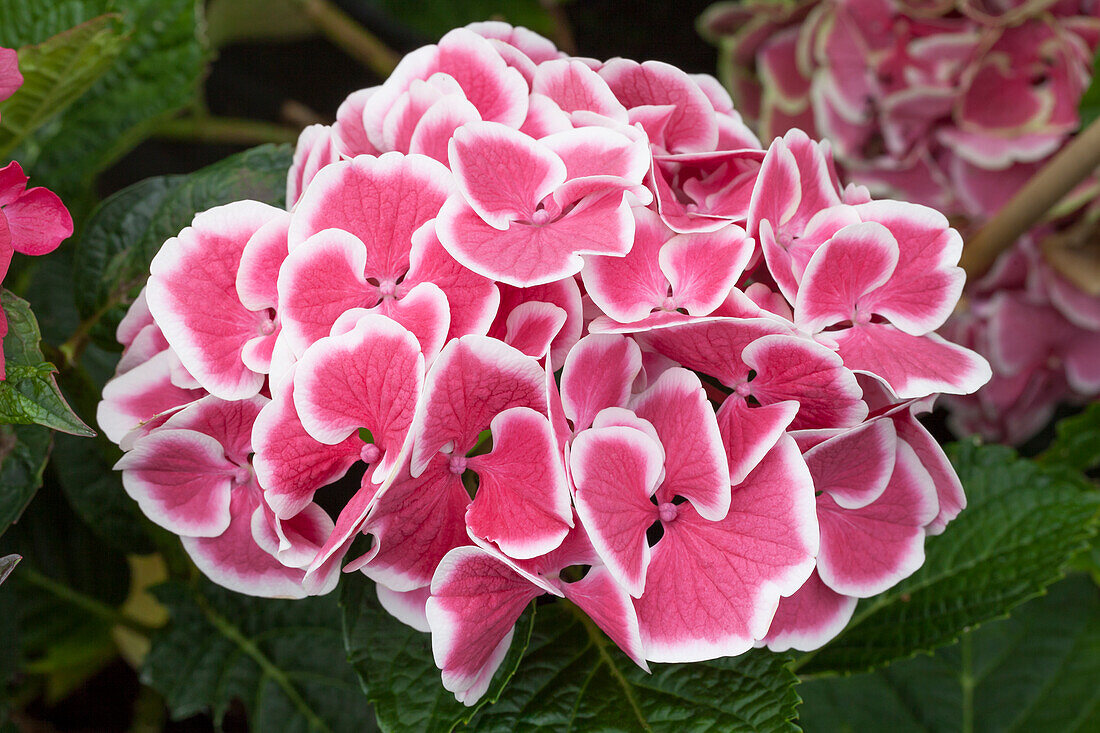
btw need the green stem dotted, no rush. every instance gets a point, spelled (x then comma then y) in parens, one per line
(87, 603)
(352, 38)
(966, 679)
(231, 130)
(76, 343)
(231, 632)
(600, 642)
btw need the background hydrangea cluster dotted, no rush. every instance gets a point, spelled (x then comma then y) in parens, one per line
(580, 334)
(954, 105)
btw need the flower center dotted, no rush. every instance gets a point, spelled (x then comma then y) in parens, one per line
(370, 453)
(242, 475)
(667, 511)
(387, 288)
(458, 464)
(744, 389)
(541, 216)
(861, 317)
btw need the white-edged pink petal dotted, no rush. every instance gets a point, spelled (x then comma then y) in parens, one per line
(628, 288)
(867, 550)
(368, 378)
(811, 617)
(522, 501)
(695, 462)
(192, 294)
(855, 465)
(857, 260)
(474, 605)
(289, 463)
(795, 368)
(541, 250)
(748, 433)
(381, 201)
(532, 326)
(182, 481)
(713, 587)
(598, 373)
(610, 607)
(702, 268)
(502, 173)
(472, 380)
(913, 366)
(235, 561)
(615, 470)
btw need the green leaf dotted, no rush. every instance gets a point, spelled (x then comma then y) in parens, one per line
(395, 665)
(1036, 671)
(1089, 107)
(1077, 441)
(24, 23)
(30, 394)
(564, 675)
(157, 75)
(128, 229)
(24, 450)
(95, 492)
(65, 595)
(434, 18)
(284, 659)
(56, 73)
(573, 678)
(1023, 525)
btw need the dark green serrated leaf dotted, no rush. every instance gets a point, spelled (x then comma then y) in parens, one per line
(1023, 525)
(29, 395)
(128, 229)
(1035, 671)
(24, 451)
(56, 73)
(1077, 441)
(434, 18)
(573, 678)
(157, 74)
(395, 665)
(24, 23)
(284, 659)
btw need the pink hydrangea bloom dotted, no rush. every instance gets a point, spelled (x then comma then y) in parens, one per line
(953, 105)
(566, 330)
(33, 221)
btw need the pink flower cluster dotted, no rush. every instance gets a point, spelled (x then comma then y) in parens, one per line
(32, 221)
(954, 104)
(579, 335)
(1040, 332)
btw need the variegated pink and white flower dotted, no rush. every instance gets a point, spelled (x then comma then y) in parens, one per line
(557, 327)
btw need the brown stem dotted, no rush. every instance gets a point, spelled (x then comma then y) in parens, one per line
(563, 32)
(349, 36)
(225, 130)
(1056, 179)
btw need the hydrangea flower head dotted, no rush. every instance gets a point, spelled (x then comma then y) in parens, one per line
(520, 309)
(953, 105)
